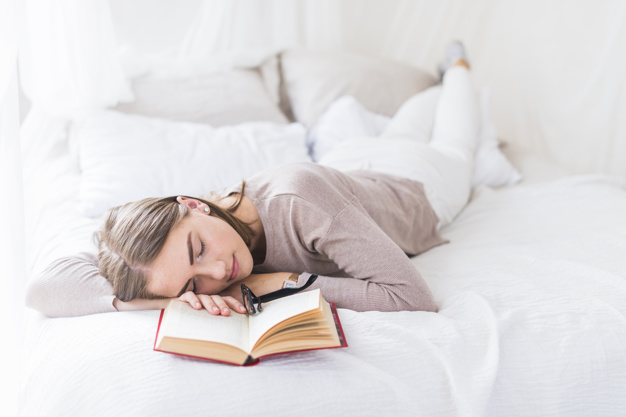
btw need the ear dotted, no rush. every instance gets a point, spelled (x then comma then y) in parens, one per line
(193, 204)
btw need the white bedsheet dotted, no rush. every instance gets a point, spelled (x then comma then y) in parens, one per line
(532, 297)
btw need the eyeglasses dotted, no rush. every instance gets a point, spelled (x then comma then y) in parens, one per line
(250, 299)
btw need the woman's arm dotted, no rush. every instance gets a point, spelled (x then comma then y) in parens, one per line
(70, 286)
(384, 278)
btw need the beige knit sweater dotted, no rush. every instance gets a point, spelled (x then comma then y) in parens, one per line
(352, 229)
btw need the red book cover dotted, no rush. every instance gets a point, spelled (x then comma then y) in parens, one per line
(251, 361)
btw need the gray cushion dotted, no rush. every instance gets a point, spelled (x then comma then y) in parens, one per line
(312, 80)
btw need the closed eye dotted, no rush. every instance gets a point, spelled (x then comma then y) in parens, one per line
(202, 247)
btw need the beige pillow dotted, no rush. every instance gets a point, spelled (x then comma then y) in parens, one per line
(221, 98)
(312, 80)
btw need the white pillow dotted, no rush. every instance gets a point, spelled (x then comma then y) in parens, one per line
(219, 98)
(346, 119)
(127, 157)
(491, 166)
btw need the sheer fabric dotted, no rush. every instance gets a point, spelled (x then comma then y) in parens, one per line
(218, 34)
(69, 61)
(12, 264)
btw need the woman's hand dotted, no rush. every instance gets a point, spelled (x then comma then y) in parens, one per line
(214, 304)
(230, 298)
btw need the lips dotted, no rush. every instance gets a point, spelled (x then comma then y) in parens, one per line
(235, 269)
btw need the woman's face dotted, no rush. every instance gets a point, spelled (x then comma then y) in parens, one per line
(202, 253)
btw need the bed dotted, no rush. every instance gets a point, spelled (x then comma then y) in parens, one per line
(530, 289)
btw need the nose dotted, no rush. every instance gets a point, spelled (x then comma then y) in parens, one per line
(217, 270)
(208, 275)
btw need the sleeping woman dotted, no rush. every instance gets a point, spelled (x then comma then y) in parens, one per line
(352, 229)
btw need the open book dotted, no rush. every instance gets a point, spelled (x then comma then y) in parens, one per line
(303, 321)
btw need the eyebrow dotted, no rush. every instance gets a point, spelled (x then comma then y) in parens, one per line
(190, 248)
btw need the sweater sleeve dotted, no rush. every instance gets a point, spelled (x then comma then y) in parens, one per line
(69, 287)
(383, 276)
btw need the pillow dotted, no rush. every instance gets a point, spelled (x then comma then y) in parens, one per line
(347, 120)
(221, 98)
(127, 157)
(491, 167)
(312, 80)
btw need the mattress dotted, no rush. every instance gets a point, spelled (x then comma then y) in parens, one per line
(531, 322)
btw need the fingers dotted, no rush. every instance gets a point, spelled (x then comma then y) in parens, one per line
(192, 299)
(234, 304)
(214, 304)
(223, 304)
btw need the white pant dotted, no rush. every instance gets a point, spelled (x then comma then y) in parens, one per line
(432, 138)
(445, 121)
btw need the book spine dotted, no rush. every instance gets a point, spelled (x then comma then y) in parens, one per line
(250, 361)
(158, 329)
(340, 333)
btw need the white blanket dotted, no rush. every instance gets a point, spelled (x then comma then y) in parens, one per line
(532, 298)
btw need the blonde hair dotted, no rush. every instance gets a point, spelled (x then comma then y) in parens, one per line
(133, 235)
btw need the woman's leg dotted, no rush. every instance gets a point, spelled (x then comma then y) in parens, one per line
(457, 118)
(454, 138)
(445, 164)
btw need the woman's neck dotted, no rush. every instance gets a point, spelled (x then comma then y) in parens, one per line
(247, 213)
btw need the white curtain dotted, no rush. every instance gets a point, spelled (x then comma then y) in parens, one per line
(69, 59)
(12, 260)
(216, 34)
(68, 63)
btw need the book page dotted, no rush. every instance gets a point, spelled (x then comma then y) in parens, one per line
(187, 323)
(279, 310)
